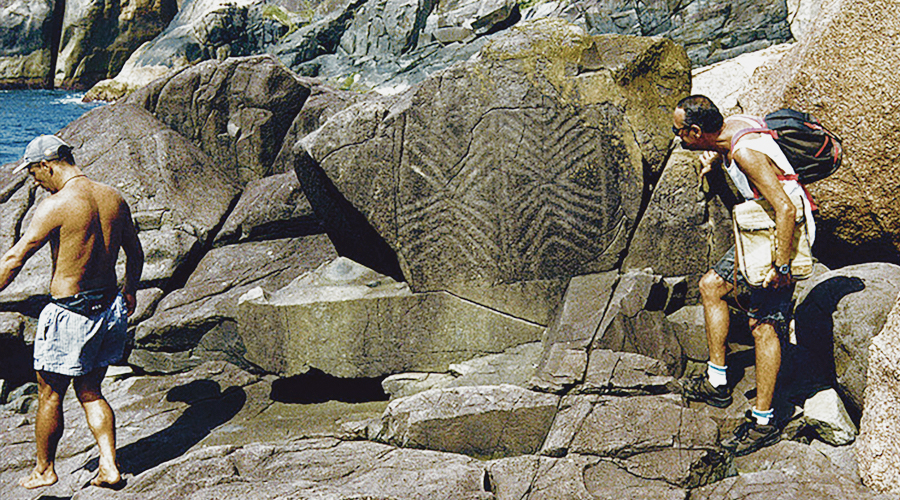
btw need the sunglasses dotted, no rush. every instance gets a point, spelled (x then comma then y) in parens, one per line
(677, 131)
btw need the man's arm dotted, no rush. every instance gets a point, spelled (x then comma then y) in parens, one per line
(134, 260)
(42, 225)
(763, 174)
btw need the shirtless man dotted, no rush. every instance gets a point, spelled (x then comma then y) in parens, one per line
(82, 331)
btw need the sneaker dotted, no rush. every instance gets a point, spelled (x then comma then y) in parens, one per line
(699, 389)
(751, 436)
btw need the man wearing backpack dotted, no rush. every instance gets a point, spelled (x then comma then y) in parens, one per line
(759, 169)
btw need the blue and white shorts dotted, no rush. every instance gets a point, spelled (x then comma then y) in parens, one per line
(71, 344)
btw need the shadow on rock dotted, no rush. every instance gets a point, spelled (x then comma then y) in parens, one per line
(209, 408)
(808, 366)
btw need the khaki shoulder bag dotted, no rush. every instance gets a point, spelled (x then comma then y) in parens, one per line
(754, 236)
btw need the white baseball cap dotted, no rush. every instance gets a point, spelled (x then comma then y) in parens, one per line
(41, 148)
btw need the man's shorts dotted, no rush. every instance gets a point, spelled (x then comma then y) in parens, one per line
(766, 305)
(71, 344)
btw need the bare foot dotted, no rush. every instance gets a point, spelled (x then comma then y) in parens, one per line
(112, 480)
(38, 479)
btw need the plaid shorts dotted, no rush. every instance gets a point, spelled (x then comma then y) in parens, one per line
(767, 305)
(71, 344)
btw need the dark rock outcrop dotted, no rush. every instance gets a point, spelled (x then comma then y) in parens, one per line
(844, 308)
(238, 110)
(98, 37)
(201, 30)
(29, 34)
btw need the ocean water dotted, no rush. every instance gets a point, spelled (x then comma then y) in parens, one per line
(25, 114)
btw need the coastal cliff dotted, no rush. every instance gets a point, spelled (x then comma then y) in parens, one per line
(482, 286)
(367, 43)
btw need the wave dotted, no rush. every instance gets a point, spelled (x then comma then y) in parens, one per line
(70, 99)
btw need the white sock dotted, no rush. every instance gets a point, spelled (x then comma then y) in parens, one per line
(716, 374)
(763, 417)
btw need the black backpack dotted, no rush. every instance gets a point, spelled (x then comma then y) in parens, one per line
(814, 151)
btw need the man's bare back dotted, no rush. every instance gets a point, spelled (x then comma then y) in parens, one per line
(91, 219)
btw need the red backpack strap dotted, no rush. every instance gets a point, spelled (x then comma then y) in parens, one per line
(761, 128)
(795, 177)
(743, 132)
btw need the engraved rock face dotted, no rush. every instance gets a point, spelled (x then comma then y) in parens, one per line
(516, 166)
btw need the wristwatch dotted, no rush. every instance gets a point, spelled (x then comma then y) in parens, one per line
(783, 270)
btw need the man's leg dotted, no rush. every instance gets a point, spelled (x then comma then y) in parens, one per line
(102, 421)
(768, 362)
(48, 428)
(759, 430)
(713, 289)
(713, 388)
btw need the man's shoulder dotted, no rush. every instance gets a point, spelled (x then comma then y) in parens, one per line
(747, 157)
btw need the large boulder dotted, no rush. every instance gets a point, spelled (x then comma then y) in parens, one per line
(836, 316)
(177, 195)
(485, 421)
(27, 31)
(237, 110)
(685, 228)
(349, 321)
(210, 295)
(458, 210)
(98, 37)
(835, 73)
(876, 449)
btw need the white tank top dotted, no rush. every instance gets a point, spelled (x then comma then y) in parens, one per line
(766, 145)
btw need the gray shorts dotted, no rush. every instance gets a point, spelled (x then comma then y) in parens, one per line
(70, 344)
(767, 305)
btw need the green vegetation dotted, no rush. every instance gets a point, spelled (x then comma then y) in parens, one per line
(527, 4)
(553, 50)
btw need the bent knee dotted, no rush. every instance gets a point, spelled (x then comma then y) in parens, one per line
(713, 286)
(763, 330)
